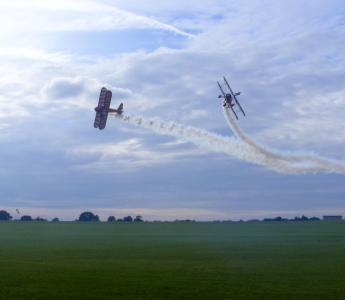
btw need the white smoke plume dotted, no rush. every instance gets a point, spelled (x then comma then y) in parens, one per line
(319, 163)
(241, 147)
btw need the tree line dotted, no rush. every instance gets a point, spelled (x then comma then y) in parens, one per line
(86, 216)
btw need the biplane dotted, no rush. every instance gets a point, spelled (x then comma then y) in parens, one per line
(230, 98)
(103, 109)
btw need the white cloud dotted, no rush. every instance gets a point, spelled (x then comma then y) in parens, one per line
(129, 155)
(40, 16)
(19, 54)
(197, 114)
(279, 82)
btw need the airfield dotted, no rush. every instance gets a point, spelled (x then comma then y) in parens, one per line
(172, 260)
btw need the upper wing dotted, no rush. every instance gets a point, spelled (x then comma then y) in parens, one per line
(228, 85)
(105, 110)
(100, 106)
(103, 105)
(239, 105)
(221, 89)
(103, 121)
(97, 120)
(102, 97)
(107, 100)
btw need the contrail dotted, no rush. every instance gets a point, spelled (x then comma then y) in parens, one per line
(320, 163)
(236, 147)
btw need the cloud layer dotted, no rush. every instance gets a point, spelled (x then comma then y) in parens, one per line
(288, 62)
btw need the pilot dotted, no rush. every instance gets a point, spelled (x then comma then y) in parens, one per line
(229, 100)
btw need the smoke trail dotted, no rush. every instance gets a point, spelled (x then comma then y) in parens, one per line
(320, 163)
(231, 146)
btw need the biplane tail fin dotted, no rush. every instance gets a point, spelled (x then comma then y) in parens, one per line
(120, 108)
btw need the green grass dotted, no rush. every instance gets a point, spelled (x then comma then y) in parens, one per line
(172, 260)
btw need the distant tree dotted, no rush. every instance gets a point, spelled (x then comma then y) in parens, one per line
(55, 220)
(5, 216)
(119, 220)
(254, 220)
(26, 218)
(304, 218)
(128, 219)
(138, 219)
(111, 219)
(314, 219)
(40, 219)
(88, 216)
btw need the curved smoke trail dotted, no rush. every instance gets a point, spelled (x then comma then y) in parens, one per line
(242, 147)
(320, 163)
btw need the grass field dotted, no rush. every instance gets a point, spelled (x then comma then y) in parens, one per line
(172, 260)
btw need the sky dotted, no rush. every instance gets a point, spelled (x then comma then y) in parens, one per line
(162, 59)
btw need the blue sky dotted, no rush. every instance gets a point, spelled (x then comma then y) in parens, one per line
(163, 60)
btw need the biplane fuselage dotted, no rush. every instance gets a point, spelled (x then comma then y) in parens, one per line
(228, 101)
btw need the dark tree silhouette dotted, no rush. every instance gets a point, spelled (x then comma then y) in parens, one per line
(55, 220)
(26, 218)
(5, 216)
(276, 219)
(304, 218)
(128, 219)
(138, 219)
(88, 216)
(111, 219)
